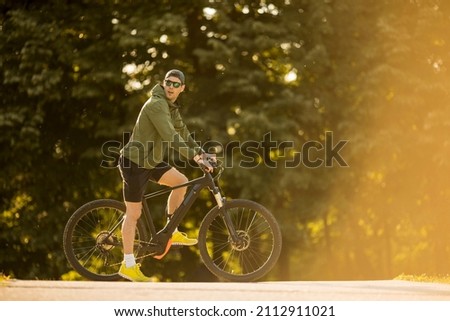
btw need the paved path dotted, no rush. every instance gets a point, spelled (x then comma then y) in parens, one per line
(21, 290)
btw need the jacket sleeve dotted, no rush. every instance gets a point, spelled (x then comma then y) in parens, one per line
(184, 132)
(178, 138)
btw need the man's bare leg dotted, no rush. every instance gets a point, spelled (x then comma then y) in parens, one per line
(173, 178)
(132, 215)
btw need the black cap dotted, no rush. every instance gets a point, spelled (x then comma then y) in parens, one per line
(175, 73)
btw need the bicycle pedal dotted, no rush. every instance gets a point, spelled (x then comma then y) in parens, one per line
(160, 256)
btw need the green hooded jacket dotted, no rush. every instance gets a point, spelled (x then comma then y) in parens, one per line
(159, 126)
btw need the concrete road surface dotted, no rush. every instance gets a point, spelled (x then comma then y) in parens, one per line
(21, 290)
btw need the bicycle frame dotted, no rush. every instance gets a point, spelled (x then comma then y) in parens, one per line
(159, 239)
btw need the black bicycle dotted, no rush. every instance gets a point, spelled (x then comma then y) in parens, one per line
(239, 240)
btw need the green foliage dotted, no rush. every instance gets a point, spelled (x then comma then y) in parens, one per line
(75, 75)
(424, 278)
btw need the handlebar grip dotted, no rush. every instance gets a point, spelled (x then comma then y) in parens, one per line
(212, 162)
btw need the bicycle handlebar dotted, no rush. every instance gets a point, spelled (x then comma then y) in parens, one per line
(212, 161)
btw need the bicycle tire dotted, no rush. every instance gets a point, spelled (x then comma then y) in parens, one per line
(253, 258)
(91, 248)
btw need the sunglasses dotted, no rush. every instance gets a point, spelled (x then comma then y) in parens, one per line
(175, 84)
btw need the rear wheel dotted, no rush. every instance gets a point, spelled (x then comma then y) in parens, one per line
(93, 239)
(255, 252)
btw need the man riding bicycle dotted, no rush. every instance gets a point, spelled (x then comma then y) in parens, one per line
(159, 126)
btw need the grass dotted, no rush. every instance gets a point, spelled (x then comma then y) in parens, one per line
(425, 278)
(4, 277)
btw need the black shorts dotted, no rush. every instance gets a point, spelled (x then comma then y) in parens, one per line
(135, 178)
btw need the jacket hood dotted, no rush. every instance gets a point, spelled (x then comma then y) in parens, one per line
(158, 92)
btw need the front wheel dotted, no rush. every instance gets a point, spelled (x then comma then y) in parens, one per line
(256, 249)
(93, 240)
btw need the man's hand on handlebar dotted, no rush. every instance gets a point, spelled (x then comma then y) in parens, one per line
(206, 161)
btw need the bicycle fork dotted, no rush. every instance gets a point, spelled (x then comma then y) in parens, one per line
(226, 216)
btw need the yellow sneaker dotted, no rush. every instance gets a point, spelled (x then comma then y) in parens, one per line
(180, 238)
(133, 273)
